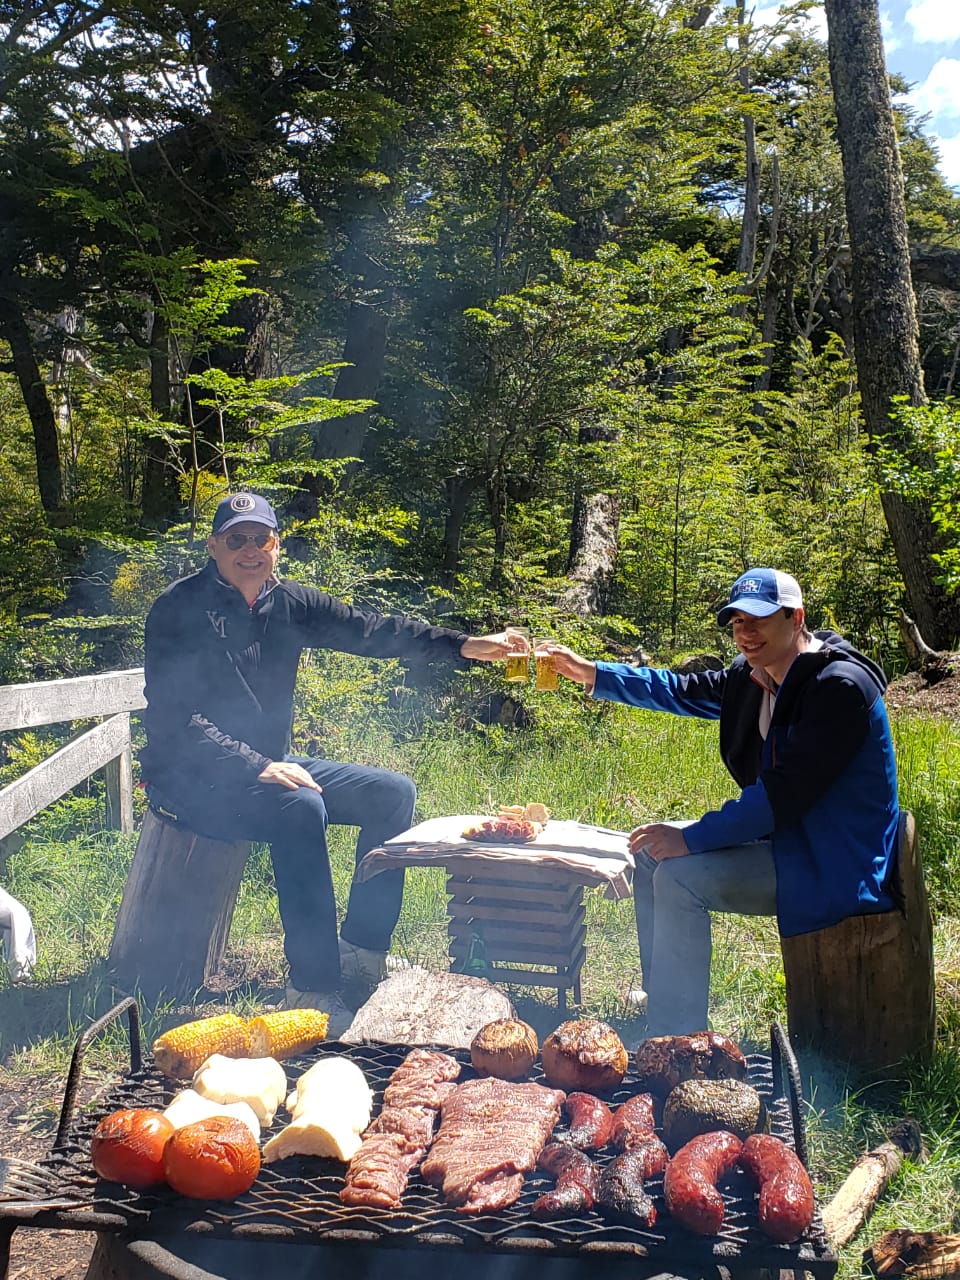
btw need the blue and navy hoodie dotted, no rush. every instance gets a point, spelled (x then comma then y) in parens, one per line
(822, 785)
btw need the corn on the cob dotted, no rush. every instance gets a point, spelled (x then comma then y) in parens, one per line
(181, 1050)
(286, 1033)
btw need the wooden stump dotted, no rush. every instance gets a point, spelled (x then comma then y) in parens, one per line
(862, 991)
(174, 920)
(417, 1006)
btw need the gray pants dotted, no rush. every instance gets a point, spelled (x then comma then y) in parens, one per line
(674, 899)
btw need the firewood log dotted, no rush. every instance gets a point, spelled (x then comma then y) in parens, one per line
(866, 1182)
(923, 1255)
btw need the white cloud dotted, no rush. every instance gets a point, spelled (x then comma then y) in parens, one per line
(949, 166)
(934, 21)
(939, 95)
(814, 20)
(891, 43)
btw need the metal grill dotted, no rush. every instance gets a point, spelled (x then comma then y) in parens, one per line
(297, 1199)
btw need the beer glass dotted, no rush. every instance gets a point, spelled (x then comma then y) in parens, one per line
(518, 664)
(545, 666)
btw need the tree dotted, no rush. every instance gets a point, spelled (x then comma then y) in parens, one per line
(884, 313)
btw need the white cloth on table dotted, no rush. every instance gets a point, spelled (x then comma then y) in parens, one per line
(17, 940)
(596, 854)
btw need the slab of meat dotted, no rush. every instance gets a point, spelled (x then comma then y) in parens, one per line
(398, 1138)
(491, 1133)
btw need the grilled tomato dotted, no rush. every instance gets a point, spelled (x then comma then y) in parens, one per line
(127, 1146)
(213, 1159)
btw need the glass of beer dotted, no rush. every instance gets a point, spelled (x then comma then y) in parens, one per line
(518, 664)
(545, 665)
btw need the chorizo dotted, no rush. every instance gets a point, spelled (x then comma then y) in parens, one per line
(622, 1197)
(578, 1182)
(591, 1121)
(785, 1193)
(633, 1120)
(650, 1151)
(690, 1181)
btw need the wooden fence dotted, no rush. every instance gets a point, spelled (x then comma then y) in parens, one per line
(109, 698)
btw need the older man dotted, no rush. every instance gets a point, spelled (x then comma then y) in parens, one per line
(811, 836)
(222, 649)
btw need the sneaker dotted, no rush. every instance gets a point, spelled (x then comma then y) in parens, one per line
(636, 1000)
(326, 1002)
(361, 970)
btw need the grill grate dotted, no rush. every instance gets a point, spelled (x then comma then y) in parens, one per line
(297, 1199)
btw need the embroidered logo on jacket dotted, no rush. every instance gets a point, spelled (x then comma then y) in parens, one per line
(219, 623)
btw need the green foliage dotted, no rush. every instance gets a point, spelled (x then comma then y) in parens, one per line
(922, 460)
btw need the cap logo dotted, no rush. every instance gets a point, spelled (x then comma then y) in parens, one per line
(749, 587)
(242, 502)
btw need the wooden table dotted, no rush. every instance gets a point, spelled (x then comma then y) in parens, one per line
(530, 919)
(523, 902)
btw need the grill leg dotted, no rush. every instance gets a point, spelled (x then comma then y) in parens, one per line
(6, 1240)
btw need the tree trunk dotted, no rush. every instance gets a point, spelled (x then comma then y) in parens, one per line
(884, 314)
(457, 491)
(159, 499)
(46, 442)
(594, 541)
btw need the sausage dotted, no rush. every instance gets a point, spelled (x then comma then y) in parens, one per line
(622, 1197)
(690, 1182)
(633, 1120)
(651, 1153)
(785, 1201)
(578, 1182)
(591, 1121)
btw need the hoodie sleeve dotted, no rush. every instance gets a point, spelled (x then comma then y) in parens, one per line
(657, 689)
(331, 624)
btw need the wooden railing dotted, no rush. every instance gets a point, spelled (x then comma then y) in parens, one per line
(110, 698)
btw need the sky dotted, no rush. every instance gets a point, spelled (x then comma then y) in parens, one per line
(922, 40)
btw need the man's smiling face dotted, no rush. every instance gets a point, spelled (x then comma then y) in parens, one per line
(247, 566)
(772, 642)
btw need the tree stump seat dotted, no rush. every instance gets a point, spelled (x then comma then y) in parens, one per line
(861, 992)
(174, 920)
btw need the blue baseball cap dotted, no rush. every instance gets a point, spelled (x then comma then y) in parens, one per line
(240, 507)
(761, 592)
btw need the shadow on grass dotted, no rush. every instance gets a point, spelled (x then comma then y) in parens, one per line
(59, 1012)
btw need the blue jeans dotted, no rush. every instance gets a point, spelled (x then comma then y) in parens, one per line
(294, 824)
(673, 901)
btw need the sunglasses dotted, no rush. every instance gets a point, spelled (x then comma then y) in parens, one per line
(265, 541)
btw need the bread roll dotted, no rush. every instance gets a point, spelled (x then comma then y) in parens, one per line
(584, 1055)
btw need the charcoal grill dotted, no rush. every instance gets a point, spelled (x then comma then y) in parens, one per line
(296, 1200)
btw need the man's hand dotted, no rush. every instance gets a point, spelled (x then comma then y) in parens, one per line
(289, 774)
(494, 648)
(659, 840)
(570, 664)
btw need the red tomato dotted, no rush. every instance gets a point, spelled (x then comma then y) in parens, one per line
(127, 1146)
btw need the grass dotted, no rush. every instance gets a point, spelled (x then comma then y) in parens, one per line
(614, 767)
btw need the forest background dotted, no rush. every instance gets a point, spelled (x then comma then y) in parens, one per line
(521, 312)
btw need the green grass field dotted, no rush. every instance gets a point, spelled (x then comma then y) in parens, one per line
(614, 768)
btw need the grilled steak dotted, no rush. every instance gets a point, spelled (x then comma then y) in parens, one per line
(397, 1140)
(491, 1133)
